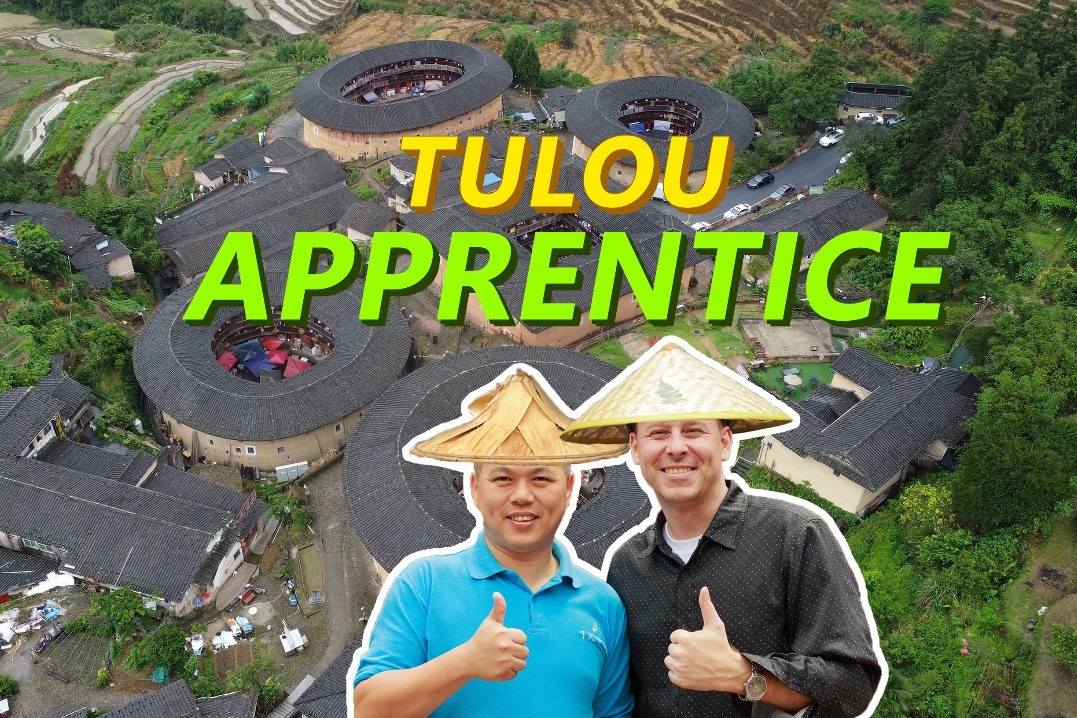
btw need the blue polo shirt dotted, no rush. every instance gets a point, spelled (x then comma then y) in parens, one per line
(575, 625)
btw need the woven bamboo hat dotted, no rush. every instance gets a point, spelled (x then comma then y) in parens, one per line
(516, 423)
(673, 383)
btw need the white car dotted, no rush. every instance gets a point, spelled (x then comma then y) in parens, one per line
(868, 117)
(701, 226)
(831, 138)
(845, 158)
(737, 211)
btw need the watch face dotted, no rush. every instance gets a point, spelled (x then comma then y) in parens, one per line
(756, 687)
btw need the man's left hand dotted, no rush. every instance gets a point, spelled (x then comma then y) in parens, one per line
(703, 660)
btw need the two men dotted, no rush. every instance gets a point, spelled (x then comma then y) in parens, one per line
(737, 602)
(506, 624)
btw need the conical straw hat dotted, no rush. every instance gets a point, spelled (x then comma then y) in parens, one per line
(516, 424)
(673, 385)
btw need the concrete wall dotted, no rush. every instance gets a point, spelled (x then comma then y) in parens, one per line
(121, 267)
(833, 487)
(267, 454)
(842, 382)
(351, 145)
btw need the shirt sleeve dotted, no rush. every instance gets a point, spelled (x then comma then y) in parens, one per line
(832, 660)
(613, 699)
(397, 639)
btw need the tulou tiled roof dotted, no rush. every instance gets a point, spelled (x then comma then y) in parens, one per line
(18, 569)
(24, 412)
(90, 251)
(592, 115)
(875, 96)
(426, 509)
(367, 217)
(871, 440)
(177, 370)
(176, 700)
(298, 193)
(115, 533)
(126, 466)
(645, 227)
(319, 97)
(328, 696)
(819, 218)
(71, 394)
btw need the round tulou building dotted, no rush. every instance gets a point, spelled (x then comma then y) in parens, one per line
(359, 105)
(267, 396)
(657, 108)
(399, 507)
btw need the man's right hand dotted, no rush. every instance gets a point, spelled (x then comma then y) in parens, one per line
(496, 653)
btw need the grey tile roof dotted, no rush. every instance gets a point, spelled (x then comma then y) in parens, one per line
(498, 144)
(879, 97)
(960, 381)
(78, 236)
(592, 114)
(367, 217)
(115, 533)
(819, 218)
(24, 412)
(185, 485)
(174, 700)
(178, 371)
(327, 696)
(239, 149)
(557, 99)
(128, 467)
(230, 705)
(71, 394)
(645, 227)
(318, 97)
(18, 569)
(217, 167)
(865, 369)
(871, 440)
(426, 510)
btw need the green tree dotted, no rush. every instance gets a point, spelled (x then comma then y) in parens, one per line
(8, 686)
(1018, 467)
(124, 608)
(522, 57)
(934, 10)
(164, 647)
(1064, 646)
(259, 98)
(926, 509)
(256, 677)
(568, 30)
(39, 251)
(758, 84)
(811, 94)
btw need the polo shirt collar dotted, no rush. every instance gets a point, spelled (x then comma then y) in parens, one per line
(724, 526)
(481, 564)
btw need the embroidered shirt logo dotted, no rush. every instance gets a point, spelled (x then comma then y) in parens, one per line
(593, 636)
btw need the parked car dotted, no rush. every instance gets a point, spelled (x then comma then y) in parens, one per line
(868, 117)
(760, 179)
(782, 191)
(701, 226)
(659, 193)
(737, 211)
(832, 138)
(845, 158)
(890, 122)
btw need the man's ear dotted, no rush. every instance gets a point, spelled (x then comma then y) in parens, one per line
(725, 436)
(474, 480)
(632, 446)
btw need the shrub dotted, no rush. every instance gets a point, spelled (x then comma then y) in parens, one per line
(8, 686)
(1064, 646)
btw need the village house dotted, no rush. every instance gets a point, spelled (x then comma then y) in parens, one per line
(872, 427)
(176, 700)
(881, 100)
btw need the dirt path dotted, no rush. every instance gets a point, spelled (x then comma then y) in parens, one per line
(118, 128)
(32, 134)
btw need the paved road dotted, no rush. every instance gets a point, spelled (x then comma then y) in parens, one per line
(814, 167)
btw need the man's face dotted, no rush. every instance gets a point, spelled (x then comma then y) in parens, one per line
(521, 506)
(682, 460)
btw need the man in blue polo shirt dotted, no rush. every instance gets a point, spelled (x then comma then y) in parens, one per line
(506, 623)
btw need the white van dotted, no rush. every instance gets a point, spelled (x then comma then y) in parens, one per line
(659, 193)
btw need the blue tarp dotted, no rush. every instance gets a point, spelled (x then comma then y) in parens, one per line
(637, 127)
(258, 361)
(490, 179)
(247, 348)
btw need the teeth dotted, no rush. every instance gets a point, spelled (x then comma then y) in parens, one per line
(678, 471)
(522, 518)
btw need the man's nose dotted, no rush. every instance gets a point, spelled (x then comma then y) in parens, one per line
(676, 444)
(522, 493)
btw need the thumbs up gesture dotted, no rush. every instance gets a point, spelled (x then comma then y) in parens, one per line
(495, 652)
(703, 660)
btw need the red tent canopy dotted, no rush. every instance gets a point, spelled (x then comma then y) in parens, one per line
(271, 343)
(295, 366)
(227, 360)
(278, 356)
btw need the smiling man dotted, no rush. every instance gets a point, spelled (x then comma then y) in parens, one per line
(505, 624)
(739, 603)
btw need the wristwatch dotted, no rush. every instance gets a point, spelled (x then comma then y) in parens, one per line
(756, 685)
